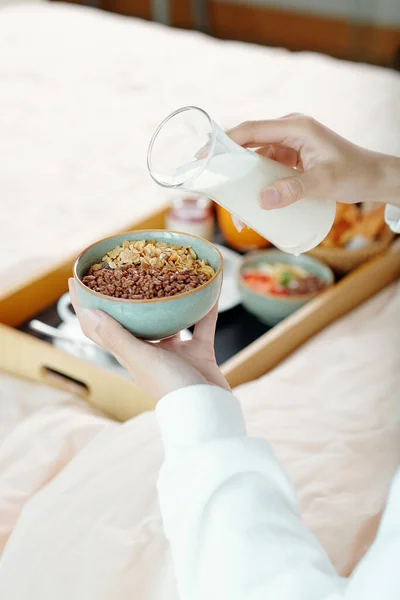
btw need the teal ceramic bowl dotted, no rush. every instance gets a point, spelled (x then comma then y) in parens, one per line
(271, 309)
(162, 317)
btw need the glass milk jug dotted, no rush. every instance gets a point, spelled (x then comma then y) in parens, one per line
(190, 152)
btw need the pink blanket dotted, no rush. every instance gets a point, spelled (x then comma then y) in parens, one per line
(77, 492)
(81, 93)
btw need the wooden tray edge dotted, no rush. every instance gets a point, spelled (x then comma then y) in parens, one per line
(28, 357)
(32, 295)
(278, 343)
(25, 356)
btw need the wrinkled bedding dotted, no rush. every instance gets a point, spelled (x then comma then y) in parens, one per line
(78, 492)
(81, 92)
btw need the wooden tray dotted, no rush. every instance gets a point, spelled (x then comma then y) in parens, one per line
(26, 356)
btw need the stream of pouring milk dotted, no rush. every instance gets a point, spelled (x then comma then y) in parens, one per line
(235, 180)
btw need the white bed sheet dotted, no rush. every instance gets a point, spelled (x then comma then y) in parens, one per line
(82, 91)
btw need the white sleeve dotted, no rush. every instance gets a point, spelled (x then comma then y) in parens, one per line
(392, 217)
(229, 511)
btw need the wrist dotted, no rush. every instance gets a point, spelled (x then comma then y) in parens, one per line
(181, 382)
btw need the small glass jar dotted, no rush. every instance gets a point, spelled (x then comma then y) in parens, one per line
(193, 215)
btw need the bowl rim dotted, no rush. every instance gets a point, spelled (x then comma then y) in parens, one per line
(293, 297)
(152, 300)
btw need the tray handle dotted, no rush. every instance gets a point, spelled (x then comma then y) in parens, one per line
(61, 380)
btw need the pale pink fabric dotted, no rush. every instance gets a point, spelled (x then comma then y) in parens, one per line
(331, 411)
(332, 414)
(41, 431)
(76, 113)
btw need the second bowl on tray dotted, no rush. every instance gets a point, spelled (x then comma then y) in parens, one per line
(269, 307)
(157, 318)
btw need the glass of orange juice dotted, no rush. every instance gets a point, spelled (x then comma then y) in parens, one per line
(243, 241)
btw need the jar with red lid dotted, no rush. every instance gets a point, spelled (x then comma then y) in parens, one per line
(193, 215)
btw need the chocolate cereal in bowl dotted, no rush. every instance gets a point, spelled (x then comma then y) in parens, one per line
(155, 283)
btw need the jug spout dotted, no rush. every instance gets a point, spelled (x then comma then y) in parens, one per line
(182, 147)
(190, 152)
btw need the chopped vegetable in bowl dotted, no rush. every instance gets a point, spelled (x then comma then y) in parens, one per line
(282, 280)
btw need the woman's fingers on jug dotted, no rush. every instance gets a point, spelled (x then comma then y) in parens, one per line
(259, 133)
(291, 189)
(282, 154)
(289, 132)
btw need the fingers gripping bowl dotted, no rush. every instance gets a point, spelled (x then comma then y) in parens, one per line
(146, 316)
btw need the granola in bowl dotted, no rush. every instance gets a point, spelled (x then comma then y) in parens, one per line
(146, 270)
